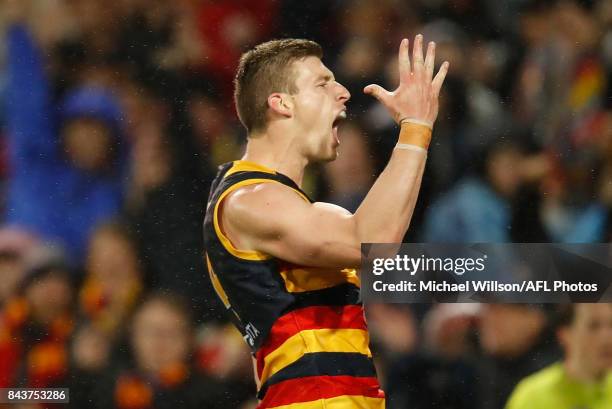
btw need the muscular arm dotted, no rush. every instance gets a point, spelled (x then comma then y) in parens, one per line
(273, 219)
(385, 213)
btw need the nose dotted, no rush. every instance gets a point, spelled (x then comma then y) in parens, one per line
(343, 93)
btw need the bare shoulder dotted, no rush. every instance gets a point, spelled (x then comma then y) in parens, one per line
(260, 207)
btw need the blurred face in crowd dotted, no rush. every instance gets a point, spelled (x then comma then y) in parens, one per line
(49, 296)
(151, 158)
(535, 27)
(11, 271)
(161, 336)
(502, 171)
(318, 106)
(90, 348)
(207, 118)
(508, 330)
(577, 25)
(588, 340)
(360, 59)
(112, 259)
(88, 143)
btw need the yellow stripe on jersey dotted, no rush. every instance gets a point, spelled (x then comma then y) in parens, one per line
(246, 166)
(216, 284)
(227, 244)
(338, 402)
(310, 279)
(315, 340)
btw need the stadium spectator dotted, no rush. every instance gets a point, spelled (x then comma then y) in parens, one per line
(221, 354)
(114, 279)
(35, 325)
(65, 158)
(573, 211)
(90, 356)
(160, 373)
(15, 244)
(478, 209)
(583, 379)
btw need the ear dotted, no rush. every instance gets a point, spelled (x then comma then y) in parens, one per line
(281, 104)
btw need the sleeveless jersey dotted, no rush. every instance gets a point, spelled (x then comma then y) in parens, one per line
(305, 326)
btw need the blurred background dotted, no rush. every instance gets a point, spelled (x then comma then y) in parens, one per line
(115, 115)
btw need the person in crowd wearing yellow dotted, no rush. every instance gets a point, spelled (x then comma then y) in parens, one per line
(583, 380)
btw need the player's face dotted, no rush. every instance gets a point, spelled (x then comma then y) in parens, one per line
(589, 338)
(319, 105)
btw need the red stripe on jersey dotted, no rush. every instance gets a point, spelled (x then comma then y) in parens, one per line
(319, 387)
(318, 317)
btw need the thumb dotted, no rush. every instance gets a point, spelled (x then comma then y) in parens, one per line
(377, 92)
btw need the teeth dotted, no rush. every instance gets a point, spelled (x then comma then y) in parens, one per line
(341, 116)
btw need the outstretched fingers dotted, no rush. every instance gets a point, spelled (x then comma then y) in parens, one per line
(404, 60)
(437, 82)
(416, 97)
(429, 61)
(417, 57)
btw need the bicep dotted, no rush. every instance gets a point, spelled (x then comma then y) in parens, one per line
(276, 221)
(319, 235)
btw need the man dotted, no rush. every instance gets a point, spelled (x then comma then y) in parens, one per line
(584, 379)
(284, 266)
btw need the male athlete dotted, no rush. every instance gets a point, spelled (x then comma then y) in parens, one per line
(284, 266)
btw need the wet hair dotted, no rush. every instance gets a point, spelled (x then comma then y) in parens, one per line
(264, 70)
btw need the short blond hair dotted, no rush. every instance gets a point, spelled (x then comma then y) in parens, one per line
(264, 70)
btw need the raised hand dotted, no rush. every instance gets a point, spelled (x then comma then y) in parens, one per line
(416, 97)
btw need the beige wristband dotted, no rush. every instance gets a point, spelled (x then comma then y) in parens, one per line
(416, 121)
(414, 134)
(410, 147)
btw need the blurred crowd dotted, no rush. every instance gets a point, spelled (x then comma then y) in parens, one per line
(115, 115)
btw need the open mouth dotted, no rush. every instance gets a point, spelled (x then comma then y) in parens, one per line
(339, 118)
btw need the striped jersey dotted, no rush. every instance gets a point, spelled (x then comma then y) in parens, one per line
(305, 326)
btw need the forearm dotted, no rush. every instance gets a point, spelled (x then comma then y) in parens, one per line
(385, 213)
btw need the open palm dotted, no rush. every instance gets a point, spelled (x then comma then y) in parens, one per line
(416, 97)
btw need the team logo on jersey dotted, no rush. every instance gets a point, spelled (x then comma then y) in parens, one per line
(250, 334)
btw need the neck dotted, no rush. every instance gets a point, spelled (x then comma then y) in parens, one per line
(278, 153)
(578, 371)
